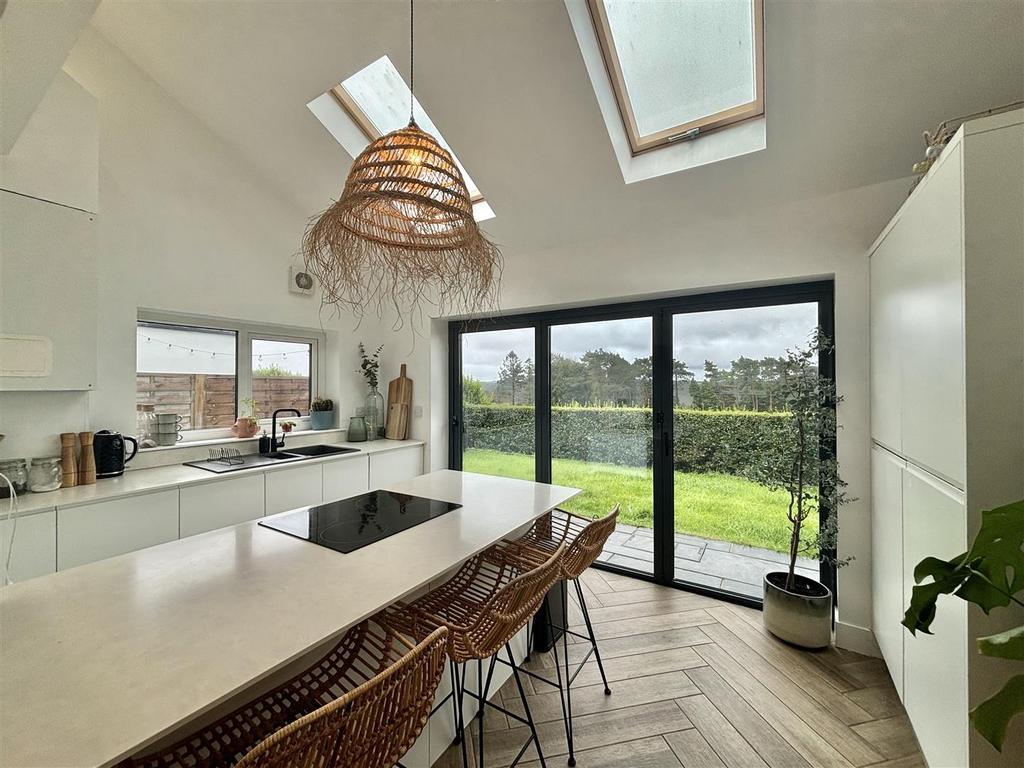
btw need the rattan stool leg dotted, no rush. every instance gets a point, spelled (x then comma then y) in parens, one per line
(593, 639)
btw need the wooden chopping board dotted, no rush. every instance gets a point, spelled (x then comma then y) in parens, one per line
(399, 407)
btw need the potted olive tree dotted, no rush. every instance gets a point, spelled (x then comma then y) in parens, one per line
(798, 609)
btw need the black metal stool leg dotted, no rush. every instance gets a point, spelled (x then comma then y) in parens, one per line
(568, 678)
(484, 691)
(593, 638)
(526, 705)
(460, 723)
(562, 686)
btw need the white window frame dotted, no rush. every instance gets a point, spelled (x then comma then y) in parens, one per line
(245, 333)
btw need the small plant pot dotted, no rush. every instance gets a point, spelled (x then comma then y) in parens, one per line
(802, 616)
(321, 419)
(245, 428)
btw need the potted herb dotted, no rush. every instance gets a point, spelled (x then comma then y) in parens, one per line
(321, 413)
(369, 367)
(798, 609)
(287, 426)
(249, 424)
(991, 575)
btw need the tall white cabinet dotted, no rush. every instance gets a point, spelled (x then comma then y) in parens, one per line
(947, 400)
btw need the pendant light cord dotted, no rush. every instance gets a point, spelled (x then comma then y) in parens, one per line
(412, 58)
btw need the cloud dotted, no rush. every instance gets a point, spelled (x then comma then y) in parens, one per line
(720, 336)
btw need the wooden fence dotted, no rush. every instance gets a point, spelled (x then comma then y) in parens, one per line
(205, 401)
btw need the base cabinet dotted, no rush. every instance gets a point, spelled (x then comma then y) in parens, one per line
(217, 505)
(32, 542)
(394, 466)
(346, 478)
(97, 531)
(294, 487)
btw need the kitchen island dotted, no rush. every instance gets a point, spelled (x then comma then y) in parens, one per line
(99, 661)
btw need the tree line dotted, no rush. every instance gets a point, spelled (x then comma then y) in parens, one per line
(603, 378)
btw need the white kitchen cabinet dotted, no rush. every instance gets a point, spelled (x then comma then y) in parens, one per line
(33, 548)
(935, 665)
(888, 582)
(47, 296)
(346, 477)
(92, 532)
(887, 286)
(293, 487)
(394, 466)
(219, 504)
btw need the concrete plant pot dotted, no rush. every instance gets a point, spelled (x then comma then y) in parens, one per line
(802, 616)
(321, 419)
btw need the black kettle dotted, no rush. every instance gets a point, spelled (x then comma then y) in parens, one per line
(109, 449)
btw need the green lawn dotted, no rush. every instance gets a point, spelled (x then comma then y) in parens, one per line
(712, 506)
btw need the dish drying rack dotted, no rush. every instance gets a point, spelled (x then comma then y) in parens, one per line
(230, 456)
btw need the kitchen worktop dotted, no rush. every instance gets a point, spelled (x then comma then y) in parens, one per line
(98, 661)
(136, 481)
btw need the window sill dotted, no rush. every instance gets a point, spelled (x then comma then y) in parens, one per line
(233, 440)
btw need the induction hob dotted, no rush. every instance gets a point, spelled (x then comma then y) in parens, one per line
(350, 524)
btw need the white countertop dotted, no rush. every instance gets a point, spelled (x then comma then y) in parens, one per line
(136, 481)
(101, 660)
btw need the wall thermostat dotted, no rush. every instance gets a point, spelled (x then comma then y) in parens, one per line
(300, 281)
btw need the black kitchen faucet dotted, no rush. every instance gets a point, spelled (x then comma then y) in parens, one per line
(274, 443)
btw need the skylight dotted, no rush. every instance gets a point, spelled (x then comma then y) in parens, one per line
(680, 69)
(377, 99)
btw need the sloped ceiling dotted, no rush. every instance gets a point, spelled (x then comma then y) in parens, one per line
(849, 86)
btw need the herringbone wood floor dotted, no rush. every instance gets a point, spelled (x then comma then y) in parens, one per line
(699, 683)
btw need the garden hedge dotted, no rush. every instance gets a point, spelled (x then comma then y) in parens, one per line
(705, 441)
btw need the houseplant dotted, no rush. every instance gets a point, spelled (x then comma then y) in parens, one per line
(991, 575)
(321, 413)
(249, 424)
(798, 609)
(369, 367)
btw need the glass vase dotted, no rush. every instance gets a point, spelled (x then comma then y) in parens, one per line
(374, 414)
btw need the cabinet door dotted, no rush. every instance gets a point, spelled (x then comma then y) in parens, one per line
(346, 477)
(887, 559)
(93, 532)
(935, 665)
(219, 504)
(933, 391)
(294, 487)
(394, 466)
(887, 294)
(33, 547)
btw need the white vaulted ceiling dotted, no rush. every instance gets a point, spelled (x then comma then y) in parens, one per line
(849, 87)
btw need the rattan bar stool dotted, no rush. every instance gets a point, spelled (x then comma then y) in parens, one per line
(483, 606)
(361, 706)
(581, 541)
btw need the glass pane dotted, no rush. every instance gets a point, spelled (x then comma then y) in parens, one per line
(281, 376)
(383, 95)
(682, 61)
(727, 419)
(601, 429)
(499, 434)
(188, 371)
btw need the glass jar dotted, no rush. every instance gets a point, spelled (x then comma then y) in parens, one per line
(145, 416)
(374, 414)
(16, 470)
(45, 474)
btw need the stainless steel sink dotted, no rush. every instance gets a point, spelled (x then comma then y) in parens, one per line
(309, 451)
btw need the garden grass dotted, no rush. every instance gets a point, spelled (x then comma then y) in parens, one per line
(711, 505)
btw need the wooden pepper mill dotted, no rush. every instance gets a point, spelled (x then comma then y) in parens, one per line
(68, 460)
(87, 465)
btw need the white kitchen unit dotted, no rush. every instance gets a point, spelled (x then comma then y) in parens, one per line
(392, 467)
(299, 485)
(218, 504)
(92, 532)
(346, 478)
(33, 549)
(947, 335)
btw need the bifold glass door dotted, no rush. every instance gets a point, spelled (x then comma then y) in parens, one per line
(664, 408)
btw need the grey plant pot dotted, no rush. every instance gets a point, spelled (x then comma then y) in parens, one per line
(321, 419)
(802, 617)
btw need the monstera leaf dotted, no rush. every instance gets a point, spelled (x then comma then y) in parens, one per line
(989, 574)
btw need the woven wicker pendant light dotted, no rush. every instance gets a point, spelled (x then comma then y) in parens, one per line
(403, 231)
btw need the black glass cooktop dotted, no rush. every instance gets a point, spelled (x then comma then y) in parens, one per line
(350, 524)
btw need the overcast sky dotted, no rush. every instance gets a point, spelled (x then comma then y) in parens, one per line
(719, 336)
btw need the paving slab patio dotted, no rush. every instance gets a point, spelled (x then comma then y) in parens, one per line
(710, 563)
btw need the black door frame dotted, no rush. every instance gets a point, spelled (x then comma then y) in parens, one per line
(661, 311)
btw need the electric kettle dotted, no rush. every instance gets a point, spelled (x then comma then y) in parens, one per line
(109, 449)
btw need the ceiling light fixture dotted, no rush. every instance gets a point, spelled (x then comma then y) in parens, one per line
(403, 230)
